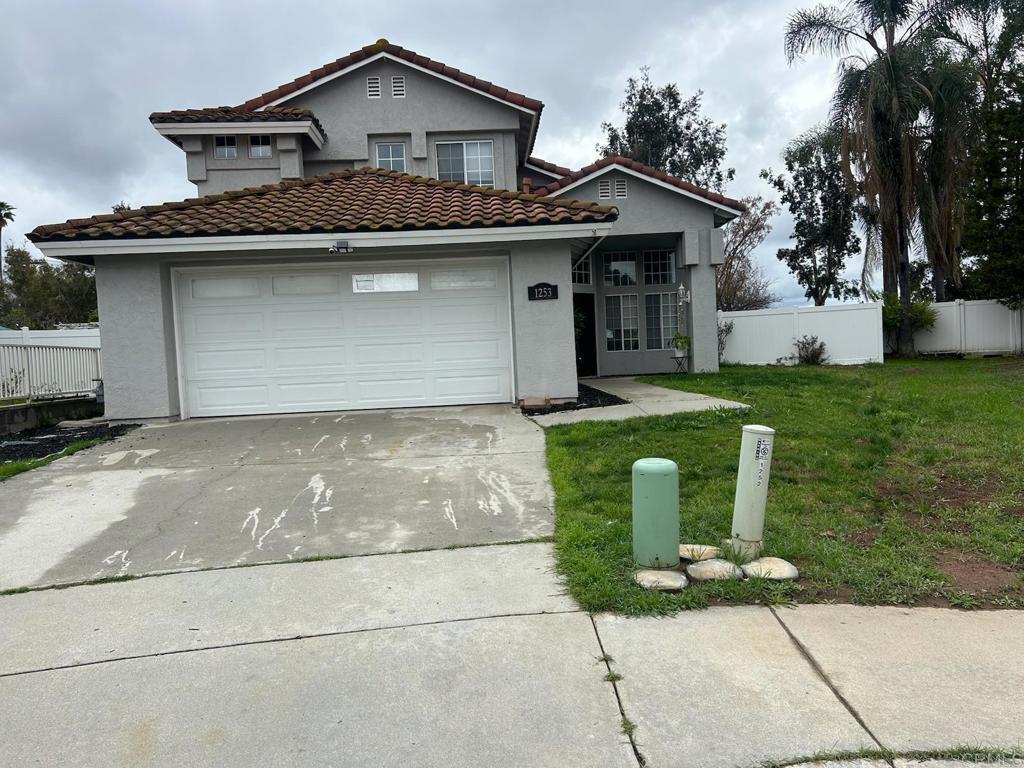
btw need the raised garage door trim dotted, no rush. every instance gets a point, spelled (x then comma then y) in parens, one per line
(255, 340)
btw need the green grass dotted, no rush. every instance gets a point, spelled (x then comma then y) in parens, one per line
(894, 484)
(17, 466)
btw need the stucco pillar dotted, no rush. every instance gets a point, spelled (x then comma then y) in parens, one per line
(702, 317)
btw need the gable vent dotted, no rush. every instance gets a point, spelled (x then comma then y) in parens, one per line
(620, 188)
(373, 87)
(398, 87)
(604, 189)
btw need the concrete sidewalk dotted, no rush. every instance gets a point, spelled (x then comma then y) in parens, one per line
(476, 656)
(644, 400)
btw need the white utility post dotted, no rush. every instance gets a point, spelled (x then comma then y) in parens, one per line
(752, 489)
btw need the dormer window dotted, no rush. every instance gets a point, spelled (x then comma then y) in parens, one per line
(259, 147)
(373, 87)
(224, 148)
(398, 87)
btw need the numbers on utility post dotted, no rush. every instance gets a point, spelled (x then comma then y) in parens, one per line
(762, 457)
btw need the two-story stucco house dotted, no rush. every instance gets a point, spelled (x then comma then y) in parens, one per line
(376, 233)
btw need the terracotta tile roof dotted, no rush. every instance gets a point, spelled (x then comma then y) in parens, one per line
(384, 46)
(236, 115)
(633, 165)
(363, 200)
(544, 165)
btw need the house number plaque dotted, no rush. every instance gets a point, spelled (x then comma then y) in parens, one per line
(541, 292)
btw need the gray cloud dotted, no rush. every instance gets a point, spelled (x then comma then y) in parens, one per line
(82, 77)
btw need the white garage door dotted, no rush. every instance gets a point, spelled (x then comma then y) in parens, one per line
(335, 338)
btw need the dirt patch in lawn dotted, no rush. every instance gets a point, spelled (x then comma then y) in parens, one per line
(1013, 511)
(944, 491)
(865, 537)
(977, 576)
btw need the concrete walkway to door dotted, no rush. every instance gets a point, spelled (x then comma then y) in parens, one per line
(211, 493)
(644, 400)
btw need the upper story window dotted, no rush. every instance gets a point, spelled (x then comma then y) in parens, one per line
(373, 87)
(604, 189)
(225, 148)
(259, 146)
(581, 271)
(467, 162)
(391, 156)
(620, 268)
(398, 87)
(620, 188)
(659, 267)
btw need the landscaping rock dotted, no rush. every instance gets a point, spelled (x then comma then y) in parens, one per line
(698, 552)
(713, 570)
(774, 568)
(663, 581)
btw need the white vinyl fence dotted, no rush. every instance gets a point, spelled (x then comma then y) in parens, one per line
(973, 328)
(71, 337)
(852, 333)
(41, 372)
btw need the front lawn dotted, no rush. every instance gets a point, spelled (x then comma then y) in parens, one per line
(894, 484)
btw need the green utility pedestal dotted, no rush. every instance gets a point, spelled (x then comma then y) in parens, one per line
(656, 513)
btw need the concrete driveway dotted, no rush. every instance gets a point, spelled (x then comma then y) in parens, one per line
(226, 492)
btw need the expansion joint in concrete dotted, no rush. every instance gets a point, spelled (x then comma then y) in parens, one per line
(820, 672)
(631, 734)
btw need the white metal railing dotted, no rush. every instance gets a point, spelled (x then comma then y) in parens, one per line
(40, 372)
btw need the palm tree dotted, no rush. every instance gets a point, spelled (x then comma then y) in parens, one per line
(878, 100)
(6, 217)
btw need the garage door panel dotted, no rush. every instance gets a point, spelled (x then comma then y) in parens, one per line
(329, 321)
(211, 395)
(279, 340)
(481, 313)
(479, 351)
(214, 326)
(309, 357)
(309, 284)
(384, 353)
(217, 362)
(463, 387)
(312, 394)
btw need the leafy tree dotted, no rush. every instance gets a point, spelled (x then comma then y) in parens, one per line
(6, 217)
(877, 103)
(40, 295)
(817, 194)
(120, 206)
(741, 284)
(669, 133)
(989, 35)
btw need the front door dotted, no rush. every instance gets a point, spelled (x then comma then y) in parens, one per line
(585, 320)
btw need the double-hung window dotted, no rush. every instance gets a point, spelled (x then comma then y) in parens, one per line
(467, 162)
(391, 156)
(622, 323)
(225, 148)
(259, 146)
(662, 321)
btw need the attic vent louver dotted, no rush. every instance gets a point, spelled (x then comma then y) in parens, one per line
(604, 189)
(620, 188)
(398, 87)
(373, 87)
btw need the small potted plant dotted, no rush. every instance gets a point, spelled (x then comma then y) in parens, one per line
(680, 344)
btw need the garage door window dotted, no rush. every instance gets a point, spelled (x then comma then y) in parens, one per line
(385, 282)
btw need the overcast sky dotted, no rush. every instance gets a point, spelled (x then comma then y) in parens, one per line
(81, 77)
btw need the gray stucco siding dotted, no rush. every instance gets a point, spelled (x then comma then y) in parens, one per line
(430, 106)
(137, 320)
(137, 328)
